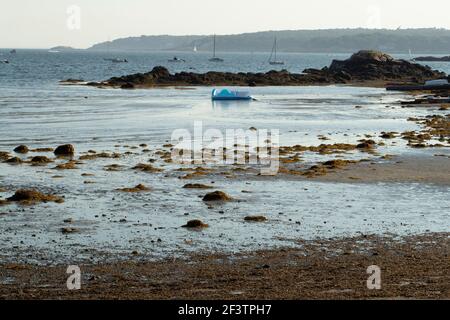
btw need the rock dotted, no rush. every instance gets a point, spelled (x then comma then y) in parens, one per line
(337, 163)
(138, 188)
(127, 86)
(216, 196)
(255, 219)
(376, 65)
(195, 224)
(4, 155)
(387, 135)
(14, 160)
(146, 168)
(66, 150)
(103, 155)
(366, 144)
(40, 160)
(21, 149)
(68, 230)
(70, 165)
(42, 150)
(196, 186)
(33, 196)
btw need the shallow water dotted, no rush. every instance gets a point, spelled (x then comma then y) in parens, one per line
(43, 114)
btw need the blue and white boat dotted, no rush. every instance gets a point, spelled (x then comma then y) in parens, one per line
(226, 94)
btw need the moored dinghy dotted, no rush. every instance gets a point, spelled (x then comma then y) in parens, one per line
(226, 94)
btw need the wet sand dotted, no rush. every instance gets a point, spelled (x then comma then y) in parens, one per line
(420, 169)
(416, 267)
(125, 207)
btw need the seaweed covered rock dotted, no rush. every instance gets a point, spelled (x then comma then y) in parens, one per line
(196, 186)
(195, 224)
(69, 165)
(255, 219)
(146, 168)
(138, 188)
(4, 155)
(14, 160)
(40, 160)
(33, 196)
(216, 196)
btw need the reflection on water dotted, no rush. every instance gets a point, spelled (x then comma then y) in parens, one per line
(228, 105)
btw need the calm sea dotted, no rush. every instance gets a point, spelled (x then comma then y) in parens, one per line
(40, 68)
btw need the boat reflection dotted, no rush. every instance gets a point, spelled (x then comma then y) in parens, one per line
(230, 104)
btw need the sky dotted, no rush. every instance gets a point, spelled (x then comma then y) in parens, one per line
(82, 23)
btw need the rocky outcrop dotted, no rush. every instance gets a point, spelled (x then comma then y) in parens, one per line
(433, 59)
(360, 67)
(375, 65)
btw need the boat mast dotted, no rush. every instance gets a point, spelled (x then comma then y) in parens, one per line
(273, 53)
(275, 45)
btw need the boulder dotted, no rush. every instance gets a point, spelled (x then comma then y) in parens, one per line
(66, 150)
(21, 149)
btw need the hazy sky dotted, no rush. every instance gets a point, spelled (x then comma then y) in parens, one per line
(81, 23)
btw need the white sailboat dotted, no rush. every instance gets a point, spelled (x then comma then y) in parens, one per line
(273, 55)
(195, 49)
(214, 58)
(411, 58)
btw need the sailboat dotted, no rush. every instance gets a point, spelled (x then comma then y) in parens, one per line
(195, 49)
(273, 54)
(411, 58)
(214, 58)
